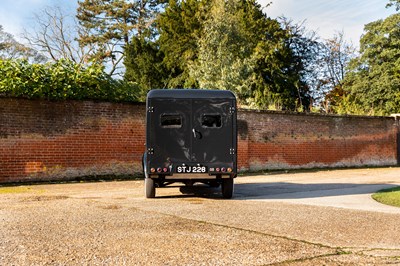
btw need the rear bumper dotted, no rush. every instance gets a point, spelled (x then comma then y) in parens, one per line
(193, 176)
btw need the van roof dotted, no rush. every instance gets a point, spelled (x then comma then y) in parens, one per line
(190, 94)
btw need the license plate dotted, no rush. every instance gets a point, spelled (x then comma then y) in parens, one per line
(191, 169)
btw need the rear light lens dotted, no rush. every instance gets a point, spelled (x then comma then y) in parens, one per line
(159, 170)
(222, 169)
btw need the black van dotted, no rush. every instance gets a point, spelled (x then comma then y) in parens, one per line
(191, 136)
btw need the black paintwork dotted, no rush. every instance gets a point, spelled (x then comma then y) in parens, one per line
(190, 94)
(202, 129)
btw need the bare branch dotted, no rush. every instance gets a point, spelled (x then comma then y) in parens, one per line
(11, 49)
(55, 34)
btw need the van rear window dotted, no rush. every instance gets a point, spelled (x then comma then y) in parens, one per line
(211, 120)
(171, 120)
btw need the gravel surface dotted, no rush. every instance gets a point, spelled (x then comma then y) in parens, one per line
(110, 223)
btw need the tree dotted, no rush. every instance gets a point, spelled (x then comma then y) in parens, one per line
(233, 45)
(144, 65)
(372, 85)
(180, 27)
(395, 3)
(54, 34)
(224, 52)
(110, 24)
(284, 58)
(11, 49)
(335, 57)
(301, 62)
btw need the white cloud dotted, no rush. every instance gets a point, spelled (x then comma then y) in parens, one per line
(328, 17)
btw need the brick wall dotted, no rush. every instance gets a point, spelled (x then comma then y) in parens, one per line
(275, 140)
(63, 140)
(41, 140)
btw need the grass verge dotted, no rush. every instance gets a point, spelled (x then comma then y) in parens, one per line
(390, 196)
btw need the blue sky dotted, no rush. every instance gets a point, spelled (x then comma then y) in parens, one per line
(327, 17)
(15, 15)
(324, 16)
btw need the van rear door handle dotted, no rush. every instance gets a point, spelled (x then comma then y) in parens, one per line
(196, 134)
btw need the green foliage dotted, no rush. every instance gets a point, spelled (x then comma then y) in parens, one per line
(108, 25)
(389, 196)
(373, 82)
(61, 80)
(144, 66)
(225, 49)
(282, 57)
(268, 63)
(232, 45)
(180, 26)
(335, 57)
(395, 3)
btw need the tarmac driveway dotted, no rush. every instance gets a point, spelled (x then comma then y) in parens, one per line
(310, 218)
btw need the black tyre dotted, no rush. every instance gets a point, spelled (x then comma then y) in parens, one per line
(149, 188)
(227, 188)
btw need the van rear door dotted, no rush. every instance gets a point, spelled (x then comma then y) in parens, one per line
(170, 122)
(212, 140)
(191, 131)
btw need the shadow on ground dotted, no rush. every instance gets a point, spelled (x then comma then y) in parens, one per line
(281, 190)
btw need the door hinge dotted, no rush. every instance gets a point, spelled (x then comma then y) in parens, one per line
(150, 151)
(232, 151)
(150, 109)
(232, 110)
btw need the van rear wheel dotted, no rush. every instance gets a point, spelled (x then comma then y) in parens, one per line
(227, 188)
(149, 188)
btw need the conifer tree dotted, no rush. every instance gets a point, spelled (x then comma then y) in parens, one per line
(180, 27)
(110, 24)
(144, 65)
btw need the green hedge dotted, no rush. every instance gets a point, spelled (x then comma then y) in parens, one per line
(62, 80)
